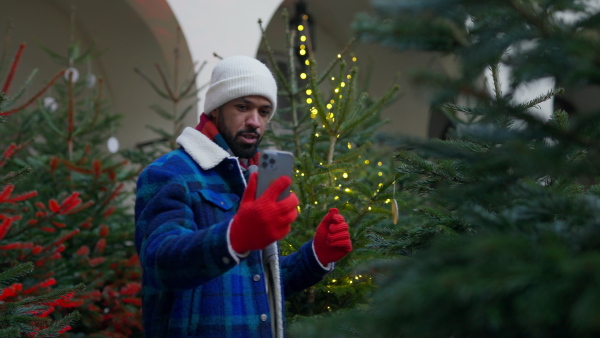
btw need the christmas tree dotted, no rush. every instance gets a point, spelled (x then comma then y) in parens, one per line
(84, 212)
(27, 296)
(328, 123)
(505, 243)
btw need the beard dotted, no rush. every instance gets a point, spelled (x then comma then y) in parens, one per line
(239, 149)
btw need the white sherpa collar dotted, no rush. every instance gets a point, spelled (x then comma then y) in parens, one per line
(202, 149)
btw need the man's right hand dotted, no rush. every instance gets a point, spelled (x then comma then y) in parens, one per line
(260, 222)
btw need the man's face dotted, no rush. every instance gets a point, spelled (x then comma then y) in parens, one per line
(242, 123)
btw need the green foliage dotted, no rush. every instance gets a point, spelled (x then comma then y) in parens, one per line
(25, 312)
(22, 317)
(328, 124)
(505, 243)
(82, 216)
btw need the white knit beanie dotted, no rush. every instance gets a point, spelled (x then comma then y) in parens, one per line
(238, 76)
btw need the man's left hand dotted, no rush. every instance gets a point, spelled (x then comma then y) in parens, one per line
(332, 239)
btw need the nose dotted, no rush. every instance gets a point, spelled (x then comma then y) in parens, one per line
(253, 119)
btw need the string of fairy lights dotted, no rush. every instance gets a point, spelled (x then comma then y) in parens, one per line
(347, 189)
(337, 88)
(345, 177)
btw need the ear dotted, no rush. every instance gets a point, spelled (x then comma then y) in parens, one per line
(214, 113)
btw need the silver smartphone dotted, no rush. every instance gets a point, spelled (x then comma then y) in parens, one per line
(272, 165)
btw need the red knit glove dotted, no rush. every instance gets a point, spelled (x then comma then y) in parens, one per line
(332, 239)
(260, 222)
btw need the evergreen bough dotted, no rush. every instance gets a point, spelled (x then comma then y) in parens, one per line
(506, 240)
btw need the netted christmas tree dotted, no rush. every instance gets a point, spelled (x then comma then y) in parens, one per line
(506, 243)
(82, 185)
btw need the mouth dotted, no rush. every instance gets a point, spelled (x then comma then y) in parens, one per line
(249, 138)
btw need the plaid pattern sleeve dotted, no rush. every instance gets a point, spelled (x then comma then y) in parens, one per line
(177, 249)
(300, 270)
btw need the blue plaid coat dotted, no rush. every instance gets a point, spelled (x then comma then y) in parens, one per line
(194, 284)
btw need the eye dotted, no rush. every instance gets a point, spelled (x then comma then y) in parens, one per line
(265, 112)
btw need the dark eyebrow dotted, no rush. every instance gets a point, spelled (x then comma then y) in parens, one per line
(245, 100)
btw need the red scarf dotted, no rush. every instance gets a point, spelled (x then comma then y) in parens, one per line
(209, 128)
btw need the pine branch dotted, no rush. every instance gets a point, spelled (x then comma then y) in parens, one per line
(542, 98)
(160, 111)
(61, 325)
(319, 104)
(345, 109)
(97, 102)
(152, 84)
(48, 119)
(23, 88)
(495, 78)
(9, 276)
(455, 107)
(13, 69)
(329, 68)
(354, 122)
(35, 97)
(185, 90)
(15, 176)
(184, 113)
(280, 78)
(529, 14)
(170, 94)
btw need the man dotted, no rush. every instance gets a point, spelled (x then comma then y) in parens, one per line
(207, 245)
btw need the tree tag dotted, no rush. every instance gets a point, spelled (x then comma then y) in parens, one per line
(395, 211)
